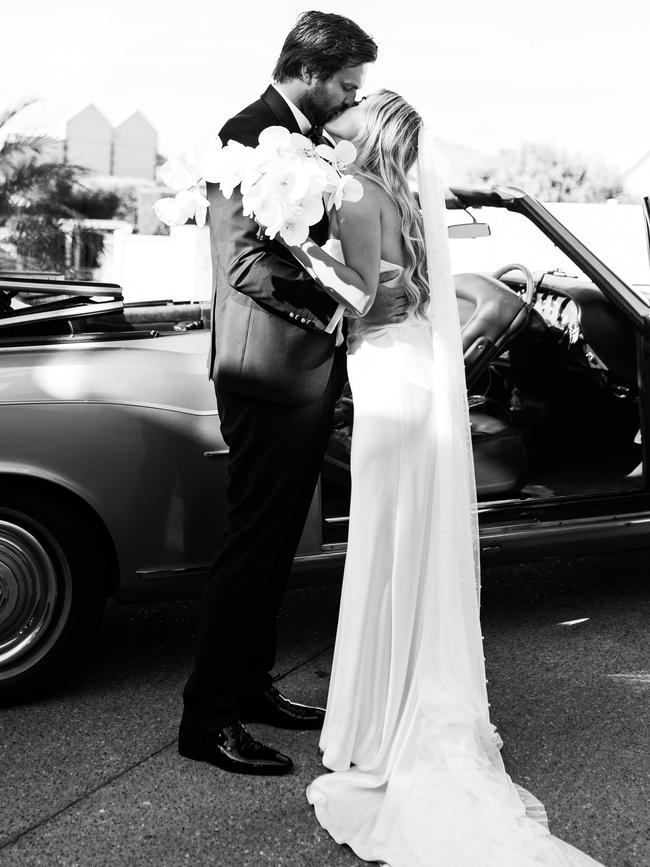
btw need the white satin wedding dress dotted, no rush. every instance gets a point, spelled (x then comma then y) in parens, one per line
(417, 777)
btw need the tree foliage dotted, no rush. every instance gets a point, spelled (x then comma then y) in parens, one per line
(551, 175)
(37, 196)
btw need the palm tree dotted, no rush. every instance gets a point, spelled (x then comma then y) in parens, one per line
(32, 206)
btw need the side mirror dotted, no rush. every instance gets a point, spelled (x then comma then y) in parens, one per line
(469, 230)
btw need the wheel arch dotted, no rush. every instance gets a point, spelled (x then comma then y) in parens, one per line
(54, 491)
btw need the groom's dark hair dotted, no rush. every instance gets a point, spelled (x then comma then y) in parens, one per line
(324, 43)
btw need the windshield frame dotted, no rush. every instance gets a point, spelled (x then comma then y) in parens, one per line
(513, 199)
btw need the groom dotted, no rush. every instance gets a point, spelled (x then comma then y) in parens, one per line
(277, 375)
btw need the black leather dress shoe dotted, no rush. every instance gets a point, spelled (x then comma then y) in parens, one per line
(276, 710)
(233, 749)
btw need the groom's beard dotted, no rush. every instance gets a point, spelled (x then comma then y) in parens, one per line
(316, 108)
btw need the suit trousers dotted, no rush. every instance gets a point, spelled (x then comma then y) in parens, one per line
(275, 457)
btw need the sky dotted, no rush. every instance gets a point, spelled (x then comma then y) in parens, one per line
(488, 74)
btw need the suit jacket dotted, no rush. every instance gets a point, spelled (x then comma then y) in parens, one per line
(260, 345)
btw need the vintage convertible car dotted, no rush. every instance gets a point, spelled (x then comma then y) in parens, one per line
(113, 469)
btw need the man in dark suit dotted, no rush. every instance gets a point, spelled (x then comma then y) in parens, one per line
(277, 374)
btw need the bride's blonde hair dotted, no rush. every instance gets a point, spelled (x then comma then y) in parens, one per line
(387, 149)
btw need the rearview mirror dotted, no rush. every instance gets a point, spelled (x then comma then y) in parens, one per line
(469, 230)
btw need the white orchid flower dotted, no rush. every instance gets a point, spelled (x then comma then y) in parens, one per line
(295, 222)
(348, 189)
(295, 230)
(325, 152)
(345, 153)
(332, 178)
(235, 159)
(285, 177)
(312, 208)
(208, 158)
(249, 184)
(291, 225)
(317, 174)
(173, 212)
(178, 174)
(201, 205)
(339, 156)
(300, 143)
(290, 221)
(270, 210)
(275, 138)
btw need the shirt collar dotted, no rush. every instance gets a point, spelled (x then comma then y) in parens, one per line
(301, 119)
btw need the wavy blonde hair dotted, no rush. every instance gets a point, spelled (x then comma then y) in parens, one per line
(387, 148)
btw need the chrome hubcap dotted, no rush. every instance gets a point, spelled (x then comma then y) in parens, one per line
(28, 592)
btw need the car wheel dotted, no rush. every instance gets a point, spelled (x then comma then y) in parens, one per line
(51, 597)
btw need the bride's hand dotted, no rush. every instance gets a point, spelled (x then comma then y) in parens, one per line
(391, 304)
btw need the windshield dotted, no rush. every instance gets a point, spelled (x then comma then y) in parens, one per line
(614, 233)
(513, 238)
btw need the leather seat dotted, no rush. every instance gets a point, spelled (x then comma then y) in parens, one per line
(491, 314)
(500, 460)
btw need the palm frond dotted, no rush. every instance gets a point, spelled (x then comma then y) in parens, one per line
(34, 175)
(11, 113)
(19, 145)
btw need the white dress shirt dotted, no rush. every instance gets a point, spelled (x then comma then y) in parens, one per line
(303, 122)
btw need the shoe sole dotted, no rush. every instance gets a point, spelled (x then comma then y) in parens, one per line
(235, 767)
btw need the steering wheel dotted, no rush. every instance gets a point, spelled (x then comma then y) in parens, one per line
(529, 296)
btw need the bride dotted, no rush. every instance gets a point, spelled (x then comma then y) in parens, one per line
(416, 779)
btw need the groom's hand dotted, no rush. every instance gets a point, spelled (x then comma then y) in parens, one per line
(391, 303)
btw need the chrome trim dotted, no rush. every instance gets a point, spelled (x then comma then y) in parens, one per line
(65, 313)
(596, 522)
(96, 402)
(173, 573)
(71, 287)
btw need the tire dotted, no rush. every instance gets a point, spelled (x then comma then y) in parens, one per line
(52, 591)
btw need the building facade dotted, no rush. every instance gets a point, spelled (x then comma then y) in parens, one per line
(128, 150)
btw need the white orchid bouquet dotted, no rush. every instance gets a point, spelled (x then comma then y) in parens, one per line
(286, 181)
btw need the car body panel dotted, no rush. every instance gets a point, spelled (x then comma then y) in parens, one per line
(128, 423)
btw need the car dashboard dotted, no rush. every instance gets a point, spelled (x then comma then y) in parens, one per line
(574, 313)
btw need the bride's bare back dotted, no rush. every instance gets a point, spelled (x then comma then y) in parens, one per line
(358, 221)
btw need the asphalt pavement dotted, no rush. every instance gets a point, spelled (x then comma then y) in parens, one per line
(90, 775)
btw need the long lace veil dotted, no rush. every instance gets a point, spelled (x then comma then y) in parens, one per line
(455, 690)
(452, 428)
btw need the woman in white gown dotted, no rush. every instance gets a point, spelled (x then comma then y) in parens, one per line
(417, 777)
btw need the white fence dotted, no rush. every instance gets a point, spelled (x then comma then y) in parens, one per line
(177, 266)
(156, 267)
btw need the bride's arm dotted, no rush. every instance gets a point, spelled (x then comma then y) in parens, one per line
(355, 282)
